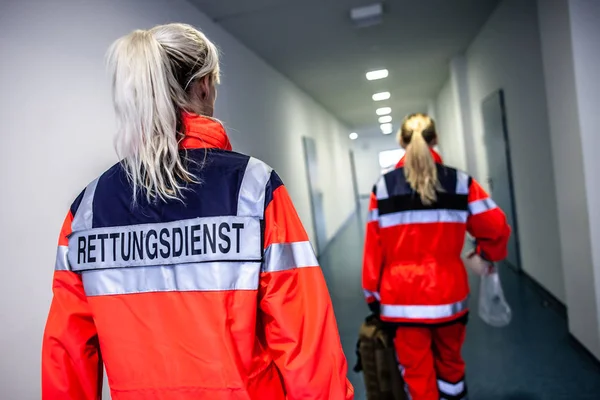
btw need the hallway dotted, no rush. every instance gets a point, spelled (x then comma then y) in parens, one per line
(532, 359)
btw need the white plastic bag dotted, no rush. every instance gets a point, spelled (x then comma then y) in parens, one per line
(493, 308)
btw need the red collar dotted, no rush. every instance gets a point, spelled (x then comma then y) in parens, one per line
(436, 157)
(203, 133)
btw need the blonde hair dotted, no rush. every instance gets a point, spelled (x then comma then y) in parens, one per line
(151, 71)
(417, 134)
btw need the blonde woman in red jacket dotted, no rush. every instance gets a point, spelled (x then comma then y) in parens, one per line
(184, 269)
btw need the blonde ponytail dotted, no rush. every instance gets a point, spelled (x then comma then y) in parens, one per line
(417, 133)
(151, 71)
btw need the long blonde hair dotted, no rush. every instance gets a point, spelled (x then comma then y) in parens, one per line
(151, 71)
(417, 134)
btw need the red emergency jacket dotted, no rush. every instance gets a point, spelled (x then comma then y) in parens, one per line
(412, 259)
(216, 297)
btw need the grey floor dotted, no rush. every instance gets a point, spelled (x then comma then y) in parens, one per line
(531, 359)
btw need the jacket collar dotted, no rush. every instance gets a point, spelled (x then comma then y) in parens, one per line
(203, 133)
(436, 157)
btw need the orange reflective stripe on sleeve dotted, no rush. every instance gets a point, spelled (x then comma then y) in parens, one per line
(286, 226)
(479, 200)
(487, 223)
(71, 362)
(62, 262)
(481, 206)
(372, 259)
(300, 327)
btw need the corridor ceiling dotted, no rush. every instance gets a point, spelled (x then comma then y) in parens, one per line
(316, 45)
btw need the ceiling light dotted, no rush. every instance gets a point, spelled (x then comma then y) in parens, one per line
(353, 136)
(386, 129)
(383, 111)
(367, 16)
(381, 96)
(385, 119)
(379, 74)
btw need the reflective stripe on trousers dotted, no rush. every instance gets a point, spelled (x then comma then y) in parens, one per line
(452, 391)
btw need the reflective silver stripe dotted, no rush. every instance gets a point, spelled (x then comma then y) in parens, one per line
(286, 256)
(85, 213)
(215, 276)
(373, 215)
(481, 206)
(251, 201)
(62, 264)
(381, 189)
(451, 389)
(424, 312)
(423, 217)
(462, 183)
(228, 238)
(368, 294)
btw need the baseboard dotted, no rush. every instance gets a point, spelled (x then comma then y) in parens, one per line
(552, 300)
(580, 348)
(341, 228)
(561, 309)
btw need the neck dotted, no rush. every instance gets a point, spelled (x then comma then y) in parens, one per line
(202, 108)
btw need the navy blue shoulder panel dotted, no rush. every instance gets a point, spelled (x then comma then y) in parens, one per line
(274, 183)
(76, 203)
(403, 198)
(220, 173)
(448, 178)
(396, 183)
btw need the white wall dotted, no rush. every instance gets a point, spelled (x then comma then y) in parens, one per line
(506, 55)
(56, 126)
(570, 53)
(366, 158)
(451, 138)
(585, 15)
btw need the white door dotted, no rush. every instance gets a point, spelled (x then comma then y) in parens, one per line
(499, 166)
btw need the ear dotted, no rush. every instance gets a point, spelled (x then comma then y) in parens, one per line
(205, 86)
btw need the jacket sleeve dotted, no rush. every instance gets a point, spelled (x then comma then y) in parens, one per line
(296, 311)
(71, 362)
(487, 223)
(373, 257)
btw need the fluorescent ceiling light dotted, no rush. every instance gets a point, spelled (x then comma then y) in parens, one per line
(383, 111)
(385, 119)
(381, 96)
(353, 136)
(379, 74)
(386, 129)
(367, 16)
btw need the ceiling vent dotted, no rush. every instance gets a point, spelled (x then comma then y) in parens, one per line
(366, 16)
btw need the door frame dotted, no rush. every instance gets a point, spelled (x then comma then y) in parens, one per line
(509, 167)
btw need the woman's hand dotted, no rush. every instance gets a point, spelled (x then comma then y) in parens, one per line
(478, 265)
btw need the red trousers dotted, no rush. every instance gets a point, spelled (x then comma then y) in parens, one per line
(431, 361)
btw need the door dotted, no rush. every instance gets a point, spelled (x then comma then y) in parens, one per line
(316, 193)
(499, 167)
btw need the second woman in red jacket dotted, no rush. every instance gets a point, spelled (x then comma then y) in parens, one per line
(413, 275)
